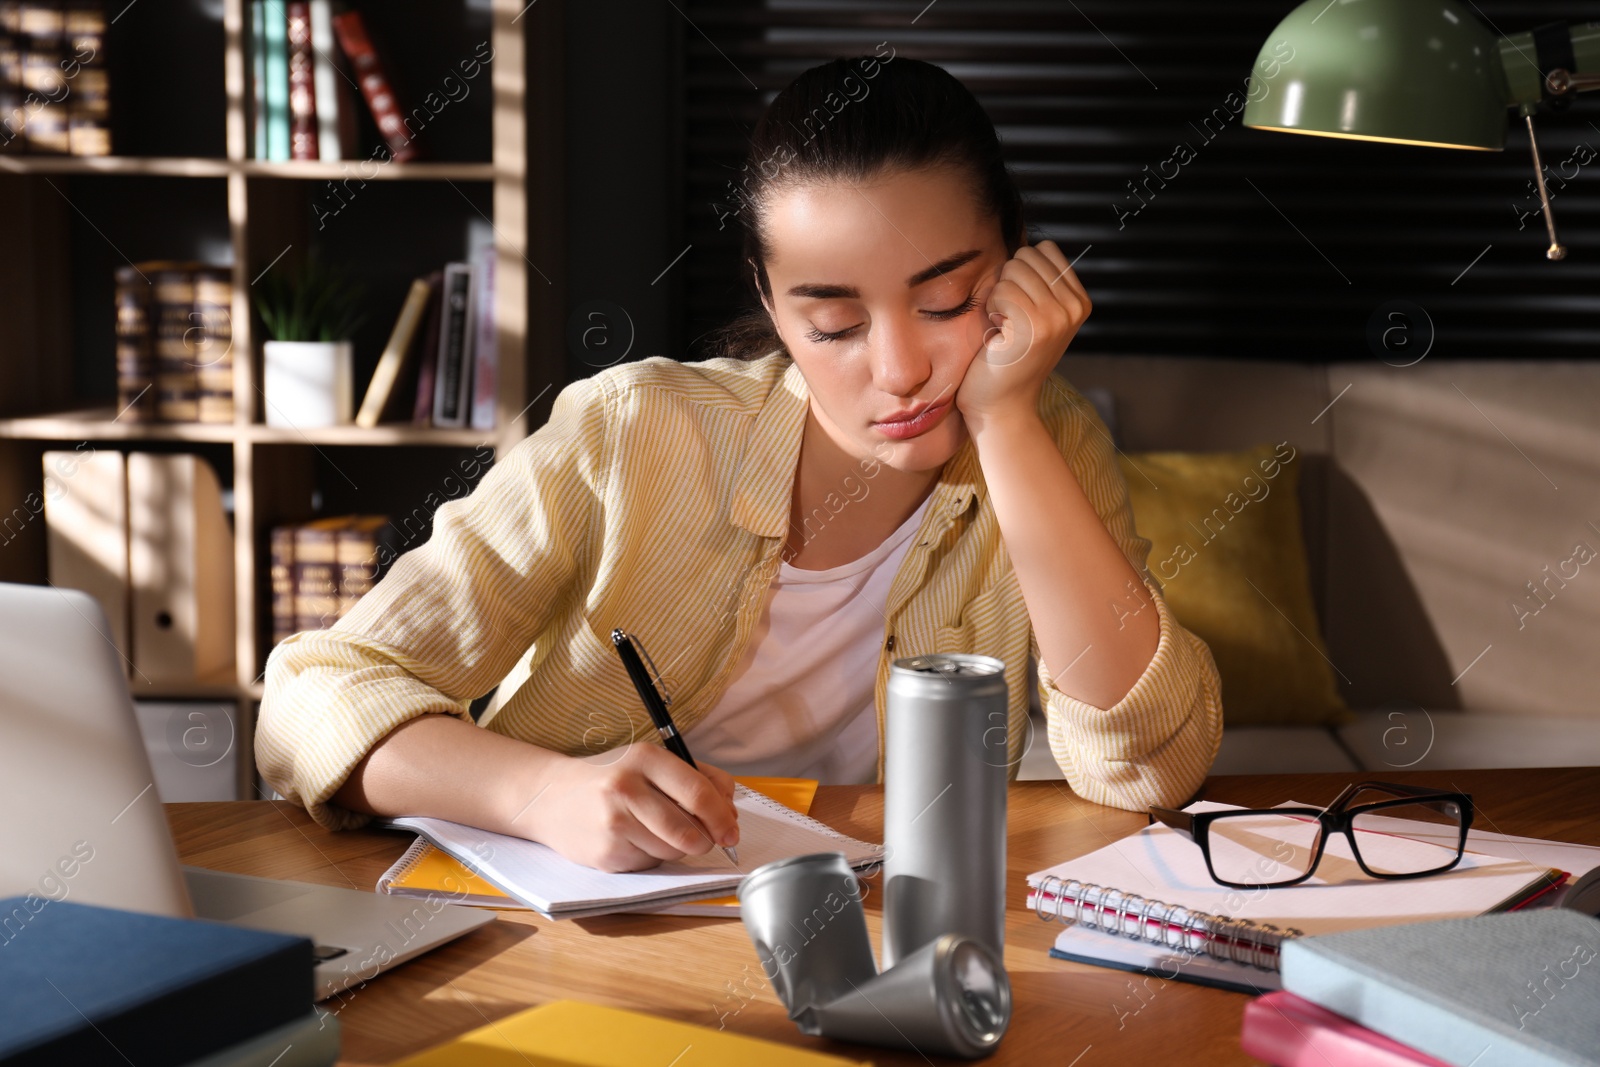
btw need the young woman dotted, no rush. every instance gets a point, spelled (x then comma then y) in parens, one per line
(888, 468)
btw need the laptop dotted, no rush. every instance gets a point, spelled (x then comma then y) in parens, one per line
(84, 822)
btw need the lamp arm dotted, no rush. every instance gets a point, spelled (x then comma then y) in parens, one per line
(1541, 64)
(1524, 82)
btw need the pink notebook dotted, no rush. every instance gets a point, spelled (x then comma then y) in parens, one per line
(1286, 1031)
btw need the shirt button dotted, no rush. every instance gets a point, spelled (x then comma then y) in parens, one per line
(889, 644)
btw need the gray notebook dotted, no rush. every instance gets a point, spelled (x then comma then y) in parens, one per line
(1514, 989)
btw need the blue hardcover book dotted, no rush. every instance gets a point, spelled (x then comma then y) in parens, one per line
(1511, 989)
(90, 986)
(275, 49)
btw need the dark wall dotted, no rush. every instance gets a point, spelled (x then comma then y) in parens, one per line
(624, 217)
(1263, 245)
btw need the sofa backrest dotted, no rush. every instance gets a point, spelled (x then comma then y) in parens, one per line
(1451, 512)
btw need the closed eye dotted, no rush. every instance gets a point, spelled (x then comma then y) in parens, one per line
(943, 315)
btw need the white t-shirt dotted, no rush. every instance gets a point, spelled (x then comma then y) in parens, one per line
(801, 700)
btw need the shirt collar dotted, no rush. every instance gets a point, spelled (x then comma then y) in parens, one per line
(764, 486)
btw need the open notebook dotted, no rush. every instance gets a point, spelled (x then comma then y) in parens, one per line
(541, 878)
(1152, 888)
(424, 871)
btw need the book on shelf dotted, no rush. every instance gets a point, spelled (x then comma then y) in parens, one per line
(302, 82)
(440, 364)
(321, 569)
(209, 341)
(1148, 904)
(316, 574)
(174, 347)
(274, 45)
(84, 64)
(257, 49)
(485, 342)
(376, 83)
(135, 348)
(172, 305)
(396, 363)
(303, 60)
(54, 89)
(452, 391)
(428, 353)
(335, 118)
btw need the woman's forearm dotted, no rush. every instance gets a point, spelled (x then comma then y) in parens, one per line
(1087, 604)
(448, 768)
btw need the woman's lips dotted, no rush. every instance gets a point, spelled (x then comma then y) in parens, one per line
(914, 427)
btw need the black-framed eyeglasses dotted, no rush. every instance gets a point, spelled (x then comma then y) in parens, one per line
(1410, 833)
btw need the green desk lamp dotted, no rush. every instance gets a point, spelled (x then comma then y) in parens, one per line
(1420, 72)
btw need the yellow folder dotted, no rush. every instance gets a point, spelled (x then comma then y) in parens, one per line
(570, 1033)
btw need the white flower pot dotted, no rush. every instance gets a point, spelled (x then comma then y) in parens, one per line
(308, 383)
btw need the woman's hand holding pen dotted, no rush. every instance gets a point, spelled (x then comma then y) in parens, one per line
(630, 808)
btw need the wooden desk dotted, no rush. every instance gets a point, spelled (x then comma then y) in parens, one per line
(705, 971)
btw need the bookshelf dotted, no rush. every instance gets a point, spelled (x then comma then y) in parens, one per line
(184, 185)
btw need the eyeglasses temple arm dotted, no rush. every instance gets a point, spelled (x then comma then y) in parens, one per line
(1178, 820)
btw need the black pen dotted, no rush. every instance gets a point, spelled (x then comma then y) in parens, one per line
(657, 708)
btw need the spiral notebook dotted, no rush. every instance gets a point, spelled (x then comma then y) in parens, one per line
(424, 871)
(543, 879)
(1152, 888)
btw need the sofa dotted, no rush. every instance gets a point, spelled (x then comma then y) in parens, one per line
(1451, 523)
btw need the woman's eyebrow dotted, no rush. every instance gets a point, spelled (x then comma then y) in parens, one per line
(820, 291)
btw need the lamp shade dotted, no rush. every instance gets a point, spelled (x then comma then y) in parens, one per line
(1406, 71)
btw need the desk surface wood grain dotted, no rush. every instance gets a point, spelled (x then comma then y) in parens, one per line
(705, 971)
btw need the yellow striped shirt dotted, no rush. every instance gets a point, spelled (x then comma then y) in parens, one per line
(657, 498)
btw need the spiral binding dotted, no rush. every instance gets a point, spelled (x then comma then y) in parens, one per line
(1111, 910)
(403, 867)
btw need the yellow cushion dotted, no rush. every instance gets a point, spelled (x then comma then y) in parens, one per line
(1226, 545)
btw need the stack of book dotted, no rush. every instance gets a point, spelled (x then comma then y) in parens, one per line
(174, 342)
(54, 93)
(1507, 990)
(440, 363)
(322, 568)
(303, 58)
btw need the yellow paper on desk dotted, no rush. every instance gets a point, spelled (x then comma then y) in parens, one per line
(570, 1033)
(434, 871)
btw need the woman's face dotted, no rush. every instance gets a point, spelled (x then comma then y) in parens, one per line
(878, 293)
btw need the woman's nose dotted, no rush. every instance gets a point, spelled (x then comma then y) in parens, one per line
(900, 364)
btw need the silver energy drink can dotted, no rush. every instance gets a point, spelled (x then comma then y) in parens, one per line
(944, 804)
(805, 917)
(951, 997)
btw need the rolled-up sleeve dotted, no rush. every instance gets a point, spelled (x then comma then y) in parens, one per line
(1156, 744)
(451, 617)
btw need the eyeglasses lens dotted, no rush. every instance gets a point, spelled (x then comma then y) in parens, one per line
(1255, 848)
(1409, 838)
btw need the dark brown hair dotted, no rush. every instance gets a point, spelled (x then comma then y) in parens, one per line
(848, 120)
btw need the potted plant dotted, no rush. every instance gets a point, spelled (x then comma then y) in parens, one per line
(308, 359)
